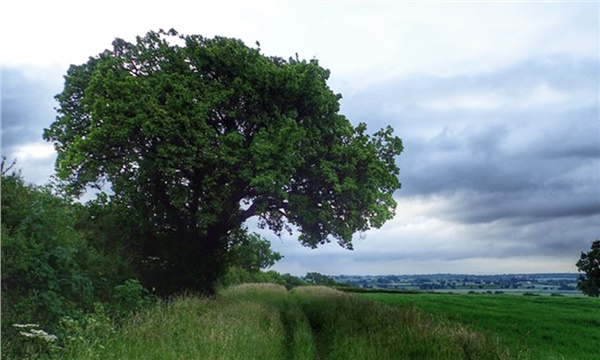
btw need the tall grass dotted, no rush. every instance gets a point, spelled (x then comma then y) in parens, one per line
(298, 337)
(265, 321)
(348, 327)
(237, 325)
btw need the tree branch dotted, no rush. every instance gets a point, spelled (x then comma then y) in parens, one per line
(281, 208)
(249, 212)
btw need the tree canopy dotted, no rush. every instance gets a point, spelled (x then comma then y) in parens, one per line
(197, 135)
(251, 252)
(589, 263)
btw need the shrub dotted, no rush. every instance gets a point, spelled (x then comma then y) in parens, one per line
(131, 296)
(50, 270)
(44, 274)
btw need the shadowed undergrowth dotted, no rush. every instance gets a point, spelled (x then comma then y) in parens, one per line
(265, 321)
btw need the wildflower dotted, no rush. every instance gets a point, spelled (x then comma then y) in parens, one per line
(35, 333)
(44, 335)
(25, 325)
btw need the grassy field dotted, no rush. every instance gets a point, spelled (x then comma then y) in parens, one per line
(534, 327)
(268, 322)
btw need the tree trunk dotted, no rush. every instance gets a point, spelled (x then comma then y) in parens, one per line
(201, 260)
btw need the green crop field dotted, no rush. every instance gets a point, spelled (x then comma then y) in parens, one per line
(534, 327)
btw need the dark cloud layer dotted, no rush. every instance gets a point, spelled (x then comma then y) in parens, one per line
(512, 155)
(523, 136)
(27, 108)
(27, 104)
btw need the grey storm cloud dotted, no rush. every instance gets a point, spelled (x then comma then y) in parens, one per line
(506, 144)
(416, 102)
(27, 108)
(557, 239)
(27, 105)
(514, 154)
(532, 155)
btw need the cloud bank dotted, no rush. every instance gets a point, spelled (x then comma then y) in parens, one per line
(497, 105)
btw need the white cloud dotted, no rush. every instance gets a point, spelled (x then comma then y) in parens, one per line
(65, 32)
(545, 94)
(34, 151)
(372, 40)
(472, 102)
(540, 96)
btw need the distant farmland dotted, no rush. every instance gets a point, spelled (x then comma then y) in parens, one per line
(542, 284)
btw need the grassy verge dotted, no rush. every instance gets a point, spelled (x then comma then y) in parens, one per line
(535, 327)
(245, 322)
(265, 321)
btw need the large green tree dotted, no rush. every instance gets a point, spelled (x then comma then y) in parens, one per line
(198, 135)
(589, 263)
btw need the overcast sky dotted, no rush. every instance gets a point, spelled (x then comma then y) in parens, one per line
(497, 104)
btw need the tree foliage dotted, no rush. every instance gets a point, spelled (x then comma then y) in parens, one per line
(251, 252)
(197, 135)
(589, 263)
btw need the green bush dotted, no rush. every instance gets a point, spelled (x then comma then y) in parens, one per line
(131, 296)
(85, 330)
(57, 264)
(44, 274)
